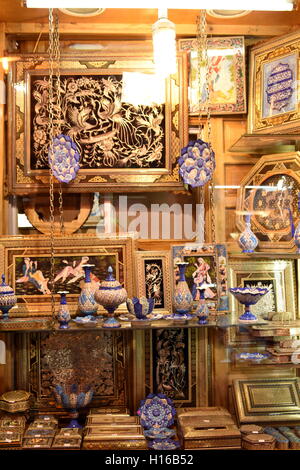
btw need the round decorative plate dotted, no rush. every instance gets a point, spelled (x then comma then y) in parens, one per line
(176, 316)
(89, 320)
(64, 158)
(159, 433)
(151, 316)
(196, 163)
(157, 411)
(166, 444)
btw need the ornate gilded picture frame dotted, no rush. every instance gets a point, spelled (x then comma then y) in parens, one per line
(279, 276)
(26, 265)
(153, 278)
(206, 264)
(122, 146)
(274, 105)
(269, 192)
(226, 57)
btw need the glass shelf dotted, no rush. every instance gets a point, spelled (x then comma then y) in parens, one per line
(44, 324)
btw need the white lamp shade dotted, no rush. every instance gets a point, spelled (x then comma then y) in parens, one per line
(164, 47)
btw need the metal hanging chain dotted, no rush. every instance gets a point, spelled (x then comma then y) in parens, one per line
(202, 50)
(51, 135)
(58, 121)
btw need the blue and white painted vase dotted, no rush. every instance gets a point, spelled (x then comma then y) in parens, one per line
(182, 299)
(202, 311)
(7, 298)
(86, 302)
(248, 240)
(110, 295)
(63, 315)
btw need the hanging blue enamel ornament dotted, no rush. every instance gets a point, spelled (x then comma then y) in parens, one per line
(197, 163)
(64, 158)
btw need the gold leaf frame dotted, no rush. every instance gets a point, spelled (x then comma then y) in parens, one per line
(267, 400)
(280, 271)
(260, 57)
(15, 247)
(268, 166)
(215, 45)
(165, 257)
(23, 179)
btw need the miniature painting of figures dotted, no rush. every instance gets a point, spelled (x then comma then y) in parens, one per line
(32, 275)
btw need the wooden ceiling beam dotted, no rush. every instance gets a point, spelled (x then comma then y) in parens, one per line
(144, 30)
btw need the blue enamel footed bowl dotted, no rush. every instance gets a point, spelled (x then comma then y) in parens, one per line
(248, 295)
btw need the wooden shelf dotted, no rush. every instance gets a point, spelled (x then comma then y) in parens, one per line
(266, 143)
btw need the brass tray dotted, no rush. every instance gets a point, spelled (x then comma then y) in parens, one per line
(267, 400)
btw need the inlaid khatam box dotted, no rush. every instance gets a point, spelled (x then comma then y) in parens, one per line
(208, 431)
(262, 401)
(119, 440)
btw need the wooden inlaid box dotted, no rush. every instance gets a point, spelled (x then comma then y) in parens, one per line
(203, 411)
(118, 440)
(263, 401)
(210, 431)
(98, 419)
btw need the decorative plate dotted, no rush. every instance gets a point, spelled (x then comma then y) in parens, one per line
(156, 411)
(151, 316)
(89, 320)
(159, 433)
(197, 163)
(174, 316)
(64, 159)
(166, 444)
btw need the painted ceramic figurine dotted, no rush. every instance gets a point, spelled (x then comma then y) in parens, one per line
(7, 298)
(86, 301)
(110, 295)
(63, 315)
(182, 299)
(248, 240)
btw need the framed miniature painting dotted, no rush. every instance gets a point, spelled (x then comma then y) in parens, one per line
(121, 145)
(27, 263)
(226, 63)
(207, 265)
(154, 278)
(274, 92)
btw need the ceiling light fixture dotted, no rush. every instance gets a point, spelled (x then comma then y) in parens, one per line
(258, 5)
(164, 44)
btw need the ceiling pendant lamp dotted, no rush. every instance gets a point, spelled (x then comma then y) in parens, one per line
(164, 45)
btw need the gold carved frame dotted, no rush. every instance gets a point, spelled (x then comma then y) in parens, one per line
(23, 179)
(286, 165)
(279, 272)
(262, 56)
(14, 248)
(151, 256)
